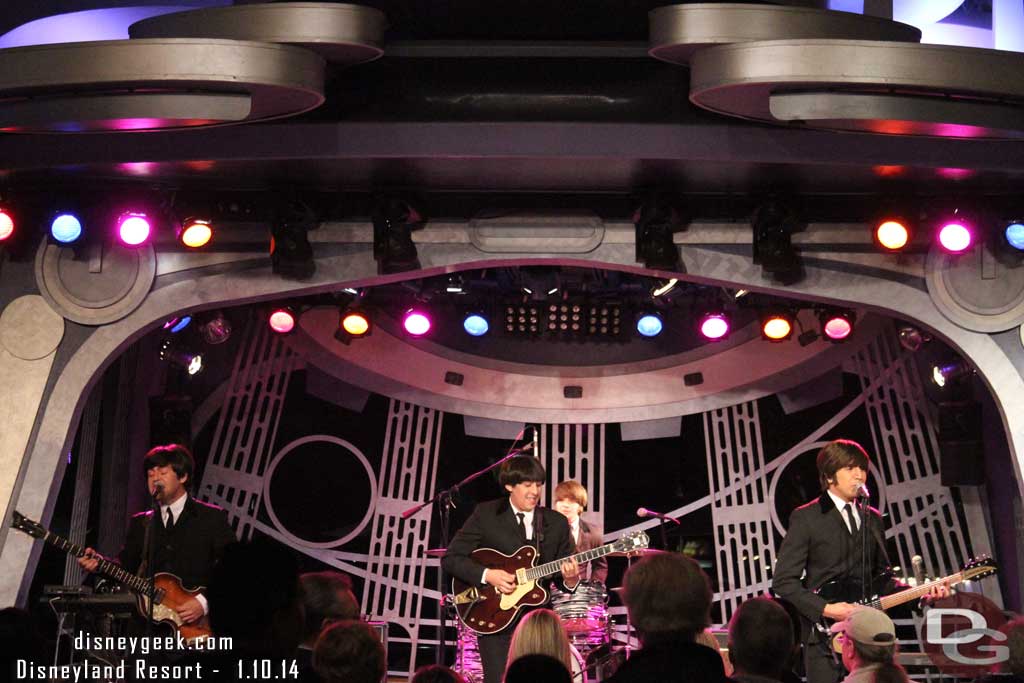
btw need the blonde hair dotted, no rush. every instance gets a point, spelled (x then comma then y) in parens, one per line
(572, 490)
(541, 633)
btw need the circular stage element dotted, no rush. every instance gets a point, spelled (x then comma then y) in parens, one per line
(346, 34)
(97, 286)
(976, 290)
(154, 84)
(869, 86)
(327, 470)
(29, 328)
(678, 31)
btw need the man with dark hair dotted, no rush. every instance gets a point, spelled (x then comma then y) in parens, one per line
(349, 652)
(506, 525)
(571, 500)
(669, 601)
(823, 544)
(326, 597)
(189, 537)
(760, 641)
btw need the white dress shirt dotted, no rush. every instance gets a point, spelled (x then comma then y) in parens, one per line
(841, 504)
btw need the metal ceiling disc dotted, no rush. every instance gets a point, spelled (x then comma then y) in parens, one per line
(124, 84)
(347, 34)
(678, 31)
(901, 88)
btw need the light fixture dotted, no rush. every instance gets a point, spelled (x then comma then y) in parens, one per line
(892, 234)
(911, 338)
(664, 288)
(177, 323)
(649, 325)
(281, 320)
(777, 326)
(836, 325)
(655, 223)
(194, 233)
(416, 322)
(65, 228)
(191, 362)
(394, 220)
(475, 325)
(1013, 234)
(6, 224)
(133, 228)
(714, 326)
(774, 223)
(950, 373)
(956, 234)
(216, 330)
(291, 255)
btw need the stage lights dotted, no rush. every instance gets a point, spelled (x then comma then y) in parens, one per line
(191, 362)
(950, 373)
(522, 319)
(655, 223)
(394, 220)
(714, 326)
(1013, 234)
(177, 323)
(133, 228)
(836, 325)
(216, 330)
(281, 320)
(194, 233)
(66, 228)
(777, 326)
(774, 223)
(6, 224)
(955, 235)
(291, 255)
(475, 325)
(416, 322)
(892, 234)
(649, 325)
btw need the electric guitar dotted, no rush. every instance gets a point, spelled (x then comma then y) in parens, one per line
(485, 611)
(165, 590)
(836, 591)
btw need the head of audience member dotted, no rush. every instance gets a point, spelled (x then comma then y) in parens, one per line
(326, 596)
(708, 639)
(760, 638)
(537, 668)
(668, 597)
(541, 633)
(242, 607)
(523, 477)
(349, 652)
(570, 499)
(1014, 631)
(435, 673)
(869, 638)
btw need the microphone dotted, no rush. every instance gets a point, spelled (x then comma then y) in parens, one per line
(158, 489)
(917, 562)
(535, 449)
(644, 512)
(863, 492)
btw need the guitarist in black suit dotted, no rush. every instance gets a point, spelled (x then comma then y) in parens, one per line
(506, 525)
(189, 537)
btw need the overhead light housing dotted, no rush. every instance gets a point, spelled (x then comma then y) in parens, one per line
(394, 219)
(773, 224)
(291, 255)
(655, 223)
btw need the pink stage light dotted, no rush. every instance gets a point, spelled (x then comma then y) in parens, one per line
(714, 326)
(838, 327)
(282, 321)
(133, 228)
(955, 237)
(416, 323)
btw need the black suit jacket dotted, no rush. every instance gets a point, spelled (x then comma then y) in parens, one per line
(493, 525)
(819, 543)
(592, 536)
(188, 550)
(672, 661)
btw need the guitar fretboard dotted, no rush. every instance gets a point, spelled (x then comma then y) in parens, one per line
(887, 601)
(542, 570)
(106, 567)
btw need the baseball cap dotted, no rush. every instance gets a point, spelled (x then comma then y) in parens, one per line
(868, 626)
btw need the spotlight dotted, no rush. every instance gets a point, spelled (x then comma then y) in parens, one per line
(216, 330)
(177, 324)
(521, 318)
(664, 288)
(892, 234)
(655, 223)
(475, 325)
(912, 339)
(192, 362)
(291, 255)
(649, 325)
(416, 323)
(1013, 234)
(6, 224)
(714, 326)
(393, 222)
(65, 228)
(955, 235)
(355, 323)
(836, 325)
(774, 224)
(133, 228)
(282, 320)
(946, 375)
(195, 233)
(777, 326)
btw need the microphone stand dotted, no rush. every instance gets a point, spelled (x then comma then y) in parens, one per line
(149, 553)
(864, 576)
(444, 502)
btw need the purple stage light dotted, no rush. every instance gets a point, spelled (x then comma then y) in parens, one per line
(416, 323)
(133, 228)
(955, 237)
(714, 326)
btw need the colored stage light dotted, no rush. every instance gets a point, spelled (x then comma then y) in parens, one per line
(955, 237)
(777, 327)
(66, 228)
(177, 324)
(1014, 234)
(133, 228)
(714, 326)
(192, 362)
(355, 324)
(6, 225)
(649, 325)
(476, 325)
(892, 235)
(836, 326)
(417, 324)
(944, 375)
(195, 233)
(282, 321)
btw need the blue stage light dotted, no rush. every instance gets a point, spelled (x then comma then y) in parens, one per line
(649, 325)
(1015, 235)
(476, 325)
(66, 228)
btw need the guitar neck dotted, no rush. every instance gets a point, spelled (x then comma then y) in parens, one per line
(888, 601)
(106, 567)
(550, 568)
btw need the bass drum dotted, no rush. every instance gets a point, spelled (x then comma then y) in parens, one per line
(584, 614)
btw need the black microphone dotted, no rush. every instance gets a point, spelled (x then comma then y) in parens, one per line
(158, 488)
(863, 492)
(917, 562)
(644, 512)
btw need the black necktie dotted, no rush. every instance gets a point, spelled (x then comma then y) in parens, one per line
(170, 519)
(849, 516)
(522, 525)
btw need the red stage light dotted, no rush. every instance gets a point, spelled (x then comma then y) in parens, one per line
(282, 321)
(6, 225)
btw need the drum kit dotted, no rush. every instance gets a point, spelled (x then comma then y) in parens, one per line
(584, 613)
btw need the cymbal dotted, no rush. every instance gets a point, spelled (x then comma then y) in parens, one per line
(436, 552)
(636, 553)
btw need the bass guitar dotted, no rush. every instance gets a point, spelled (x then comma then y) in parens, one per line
(484, 610)
(165, 590)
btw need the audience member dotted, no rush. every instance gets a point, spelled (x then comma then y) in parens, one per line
(349, 652)
(1012, 670)
(537, 669)
(435, 673)
(326, 597)
(760, 641)
(868, 638)
(708, 638)
(541, 633)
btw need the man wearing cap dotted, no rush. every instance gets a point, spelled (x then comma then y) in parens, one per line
(868, 637)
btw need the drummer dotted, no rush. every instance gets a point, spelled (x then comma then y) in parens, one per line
(571, 500)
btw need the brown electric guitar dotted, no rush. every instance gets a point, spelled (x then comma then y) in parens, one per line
(484, 610)
(165, 589)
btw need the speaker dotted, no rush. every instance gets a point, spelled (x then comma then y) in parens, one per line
(961, 454)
